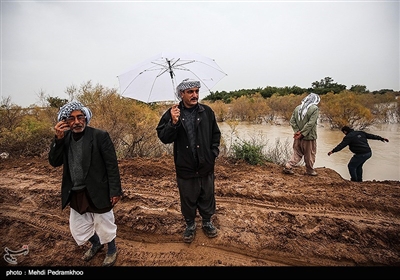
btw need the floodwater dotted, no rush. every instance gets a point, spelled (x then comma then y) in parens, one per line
(383, 165)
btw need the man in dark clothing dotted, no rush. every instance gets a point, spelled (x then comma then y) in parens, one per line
(91, 183)
(193, 129)
(358, 145)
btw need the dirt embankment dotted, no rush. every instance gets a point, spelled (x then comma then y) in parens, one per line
(265, 218)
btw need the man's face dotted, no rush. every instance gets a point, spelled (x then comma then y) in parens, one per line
(77, 121)
(190, 97)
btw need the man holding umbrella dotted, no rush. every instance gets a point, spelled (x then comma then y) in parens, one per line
(193, 129)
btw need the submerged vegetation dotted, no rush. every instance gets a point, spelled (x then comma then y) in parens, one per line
(131, 124)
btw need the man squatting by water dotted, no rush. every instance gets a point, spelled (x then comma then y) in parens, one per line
(358, 145)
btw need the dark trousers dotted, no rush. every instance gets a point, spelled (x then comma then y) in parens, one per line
(355, 166)
(197, 193)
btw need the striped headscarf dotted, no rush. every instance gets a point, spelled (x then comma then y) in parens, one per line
(185, 84)
(66, 110)
(307, 101)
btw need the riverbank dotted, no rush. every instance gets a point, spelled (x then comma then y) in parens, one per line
(383, 165)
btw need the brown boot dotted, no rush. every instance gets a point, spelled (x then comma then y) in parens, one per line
(110, 259)
(92, 252)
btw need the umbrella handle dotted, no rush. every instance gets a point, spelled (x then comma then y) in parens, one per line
(171, 72)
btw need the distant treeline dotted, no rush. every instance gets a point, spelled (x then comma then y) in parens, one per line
(324, 86)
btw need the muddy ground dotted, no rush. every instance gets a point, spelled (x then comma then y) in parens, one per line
(265, 219)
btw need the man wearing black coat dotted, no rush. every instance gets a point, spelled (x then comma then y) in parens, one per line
(193, 129)
(91, 182)
(358, 145)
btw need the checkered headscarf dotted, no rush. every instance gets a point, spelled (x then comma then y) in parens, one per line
(185, 84)
(66, 110)
(307, 101)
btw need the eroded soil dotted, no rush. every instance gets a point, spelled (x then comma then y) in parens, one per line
(264, 217)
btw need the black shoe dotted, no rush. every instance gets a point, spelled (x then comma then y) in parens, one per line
(92, 252)
(209, 230)
(189, 233)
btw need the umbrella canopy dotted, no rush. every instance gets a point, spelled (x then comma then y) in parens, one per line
(155, 79)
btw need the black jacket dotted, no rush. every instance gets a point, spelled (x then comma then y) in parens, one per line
(357, 142)
(208, 138)
(100, 166)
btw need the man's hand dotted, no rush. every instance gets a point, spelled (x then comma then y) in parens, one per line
(175, 113)
(60, 127)
(114, 200)
(298, 135)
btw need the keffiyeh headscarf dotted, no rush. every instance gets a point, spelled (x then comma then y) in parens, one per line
(185, 84)
(66, 110)
(307, 101)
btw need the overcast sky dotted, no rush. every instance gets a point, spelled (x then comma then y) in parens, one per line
(51, 45)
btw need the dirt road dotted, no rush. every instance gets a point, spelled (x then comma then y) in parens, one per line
(265, 218)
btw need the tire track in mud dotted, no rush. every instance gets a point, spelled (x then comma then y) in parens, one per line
(149, 254)
(41, 220)
(194, 254)
(364, 215)
(204, 251)
(268, 256)
(319, 210)
(49, 223)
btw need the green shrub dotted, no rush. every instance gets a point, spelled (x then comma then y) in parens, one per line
(251, 152)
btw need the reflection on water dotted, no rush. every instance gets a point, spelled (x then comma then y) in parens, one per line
(383, 165)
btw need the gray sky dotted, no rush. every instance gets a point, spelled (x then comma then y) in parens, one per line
(51, 45)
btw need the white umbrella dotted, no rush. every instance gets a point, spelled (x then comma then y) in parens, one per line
(155, 79)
